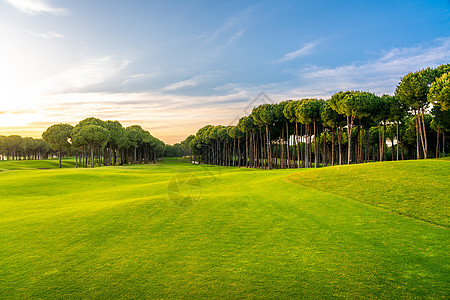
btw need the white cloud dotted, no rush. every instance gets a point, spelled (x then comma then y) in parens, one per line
(83, 75)
(306, 49)
(378, 76)
(180, 84)
(194, 81)
(231, 30)
(235, 37)
(34, 7)
(46, 35)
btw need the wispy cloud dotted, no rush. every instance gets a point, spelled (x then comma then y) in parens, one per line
(83, 75)
(237, 35)
(34, 7)
(192, 82)
(181, 84)
(306, 49)
(231, 30)
(166, 115)
(379, 76)
(46, 35)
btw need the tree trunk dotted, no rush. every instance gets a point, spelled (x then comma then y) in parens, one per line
(246, 150)
(417, 136)
(307, 147)
(282, 149)
(332, 147)
(324, 158)
(384, 140)
(339, 137)
(424, 131)
(234, 152)
(297, 144)
(392, 147)
(380, 149)
(92, 155)
(418, 124)
(437, 139)
(60, 157)
(398, 138)
(443, 141)
(350, 129)
(316, 146)
(269, 148)
(287, 146)
(239, 153)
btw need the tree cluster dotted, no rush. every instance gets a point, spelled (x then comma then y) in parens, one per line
(104, 142)
(350, 127)
(16, 147)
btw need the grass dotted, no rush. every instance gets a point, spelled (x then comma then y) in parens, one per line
(35, 164)
(419, 189)
(116, 233)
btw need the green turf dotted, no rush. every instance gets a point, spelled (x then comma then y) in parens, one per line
(116, 233)
(35, 164)
(419, 189)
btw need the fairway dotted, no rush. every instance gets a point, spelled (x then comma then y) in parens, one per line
(174, 230)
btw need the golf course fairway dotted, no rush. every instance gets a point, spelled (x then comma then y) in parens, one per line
(175, 230)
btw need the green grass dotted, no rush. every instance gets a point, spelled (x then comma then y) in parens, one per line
(419, 189)
(35, 164)
(115, 233)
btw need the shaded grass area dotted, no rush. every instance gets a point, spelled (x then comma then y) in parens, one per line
(36, 164)
(114, 233)
(419, 189)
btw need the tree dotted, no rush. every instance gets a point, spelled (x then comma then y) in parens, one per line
(236, 134)
(397, 114)
(380, 114)
(309, 112)
(13, 145)
(352, 104)
(57, 136)
(135, 135)
(118, 139)
(440, 124)
(289, 112)
(412, 92)
(88, 133)
(2, 146)
(247, 125)
(264, 115)
(440, 92)
(333, 120)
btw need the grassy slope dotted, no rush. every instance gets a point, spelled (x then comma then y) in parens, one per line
(112, 232)
(35, 164)
(419, 189)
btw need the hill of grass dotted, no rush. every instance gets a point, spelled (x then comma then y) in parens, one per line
(35, 164)
(419, 189)
(174, 230)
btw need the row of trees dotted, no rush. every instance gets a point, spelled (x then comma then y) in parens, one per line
(107, 141)
(350, 127)
(17, 147)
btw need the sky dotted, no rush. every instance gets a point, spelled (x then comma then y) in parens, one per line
(175, 66)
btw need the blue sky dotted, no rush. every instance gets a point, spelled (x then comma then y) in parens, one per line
(175, 66)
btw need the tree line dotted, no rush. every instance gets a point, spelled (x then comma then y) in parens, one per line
(350, 127)
(16, 147)
(92, 141)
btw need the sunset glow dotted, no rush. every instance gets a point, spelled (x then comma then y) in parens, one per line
(175, 67)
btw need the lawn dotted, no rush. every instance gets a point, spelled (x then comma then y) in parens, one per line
(174, 230)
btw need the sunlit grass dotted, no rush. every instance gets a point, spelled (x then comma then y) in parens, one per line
(113, 232)
(419, 189)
